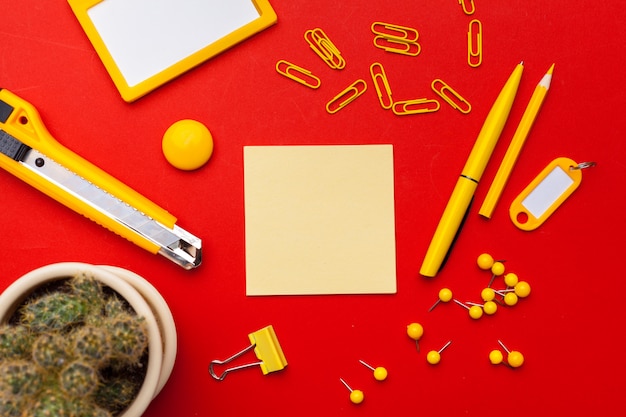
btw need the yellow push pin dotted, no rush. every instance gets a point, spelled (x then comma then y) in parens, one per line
(485, 261)
(267, 349)
(475, 310)
(445, 295)
(522, 289)
(497, 269)
(356, 396)
(380, 373)
(415, 331)
(496, 357)
(488, 294)
(511, 279)
(434, 356)
(515, 359)
(489, 308)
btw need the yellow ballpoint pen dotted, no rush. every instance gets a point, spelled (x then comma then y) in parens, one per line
(463, 192)
(510, 157)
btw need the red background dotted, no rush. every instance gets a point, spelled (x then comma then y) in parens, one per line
(570, 327)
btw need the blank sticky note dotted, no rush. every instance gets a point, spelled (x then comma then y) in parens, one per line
(319, 220)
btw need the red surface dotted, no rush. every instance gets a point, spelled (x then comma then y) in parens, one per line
(568, 329)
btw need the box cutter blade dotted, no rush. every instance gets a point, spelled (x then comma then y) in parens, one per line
(30, 153)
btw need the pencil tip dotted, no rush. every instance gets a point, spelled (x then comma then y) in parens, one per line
(551, 70)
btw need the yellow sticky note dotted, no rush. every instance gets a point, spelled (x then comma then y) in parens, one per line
(319, 220)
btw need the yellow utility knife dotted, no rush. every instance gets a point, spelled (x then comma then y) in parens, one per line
(28, 151)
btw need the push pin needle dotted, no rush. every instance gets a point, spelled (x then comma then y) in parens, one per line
(445, 295)
(356, 396)
(434, 356)
(515, 359)
(380, 373)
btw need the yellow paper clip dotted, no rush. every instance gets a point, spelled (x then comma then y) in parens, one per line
(267, 350)
(417, 106)
(475, 43)
(324, 48)
(468, 6)
(346, 97)
(397, 46)
(450, 96)
(298, 74)
(381, 83)
(400, 33)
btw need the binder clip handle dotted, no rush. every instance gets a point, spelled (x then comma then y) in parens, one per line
(234, 368)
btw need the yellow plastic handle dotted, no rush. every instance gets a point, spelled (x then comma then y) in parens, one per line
(24, 124)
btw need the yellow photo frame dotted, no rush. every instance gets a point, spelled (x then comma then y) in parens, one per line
(145, 43)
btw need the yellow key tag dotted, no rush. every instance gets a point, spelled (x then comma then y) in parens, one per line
(546, 193)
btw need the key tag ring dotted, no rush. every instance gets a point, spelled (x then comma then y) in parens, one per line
(546, 193)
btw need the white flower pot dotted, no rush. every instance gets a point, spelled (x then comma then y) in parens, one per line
(142, 297)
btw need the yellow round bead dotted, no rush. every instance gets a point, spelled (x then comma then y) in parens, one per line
(485, 261)
(488, 294)
(475, 312)
(415, 331)
(380, 373)
(490, 307)
(445, 295)
(433, 357)
(515, 359)
(497, 268)
(510, 299)
(522, 289)
(496, 357)
(356, 396)
(511, 279)
(187, 144)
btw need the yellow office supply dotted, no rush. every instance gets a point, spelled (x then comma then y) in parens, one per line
(321, 44)
(267, 350)
(400, 33)
(28, 151)
(463, 193)
(417, 106)
(468, 6)
(450, 96)
(397, 46)
(187, 144)
(144, 43)
(475, 43)
(347, 96)
(546, 193)
(381, 83)
(298, 74)
(515, 147)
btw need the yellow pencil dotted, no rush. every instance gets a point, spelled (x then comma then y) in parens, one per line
(510, 157)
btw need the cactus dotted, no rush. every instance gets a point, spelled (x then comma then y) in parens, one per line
(76, 350)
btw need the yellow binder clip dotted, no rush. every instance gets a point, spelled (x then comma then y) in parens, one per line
(324, 48)
(450, 96)
(346, 97)
(468, 6)
(267, 349)
(381, 83)
(298, 74)
(475, 43)
(417, 106)
(395, 38)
